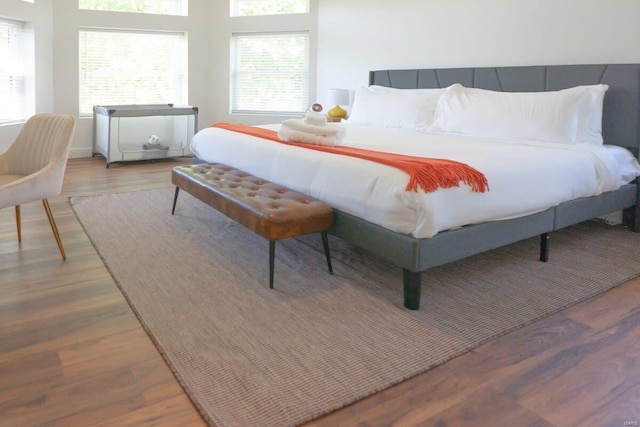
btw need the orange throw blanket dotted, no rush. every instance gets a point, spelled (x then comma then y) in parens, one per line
(426, 173)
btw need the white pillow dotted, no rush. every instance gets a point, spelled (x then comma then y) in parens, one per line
(396, 108)
(590, 131)
(566, 116)
(436, 92)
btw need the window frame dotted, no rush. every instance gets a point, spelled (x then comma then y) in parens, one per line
(182, 6)
(236, 5)
(182, 76)
(18, 68)
(234, 72)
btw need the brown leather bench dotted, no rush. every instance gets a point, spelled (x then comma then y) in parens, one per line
(268, 209)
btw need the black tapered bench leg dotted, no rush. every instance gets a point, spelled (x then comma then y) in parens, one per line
(272, 255)
(544, 247)
(327, 254)
(175, 200)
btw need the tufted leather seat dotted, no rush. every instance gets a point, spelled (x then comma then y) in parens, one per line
(270, 210)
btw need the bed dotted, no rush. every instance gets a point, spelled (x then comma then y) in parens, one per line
(417, 249)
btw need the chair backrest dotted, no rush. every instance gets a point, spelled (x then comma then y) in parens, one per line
(44, 139)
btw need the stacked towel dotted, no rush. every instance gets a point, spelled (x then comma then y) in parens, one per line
(315, 118)
(313, 129)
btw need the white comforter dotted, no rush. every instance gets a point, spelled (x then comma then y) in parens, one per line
(524, 176)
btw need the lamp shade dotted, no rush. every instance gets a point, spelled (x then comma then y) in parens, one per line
(338, 97)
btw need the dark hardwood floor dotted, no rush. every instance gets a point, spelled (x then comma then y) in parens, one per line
(72, 353)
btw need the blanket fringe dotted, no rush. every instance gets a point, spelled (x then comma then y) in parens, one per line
(432, 176)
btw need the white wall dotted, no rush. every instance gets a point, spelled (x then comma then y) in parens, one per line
(356, 36)
(38, 20)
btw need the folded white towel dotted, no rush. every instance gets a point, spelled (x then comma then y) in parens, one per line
(325, 130)
(287, 133)
(315, 118)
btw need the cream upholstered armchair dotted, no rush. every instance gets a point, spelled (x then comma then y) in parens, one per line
(33, 167)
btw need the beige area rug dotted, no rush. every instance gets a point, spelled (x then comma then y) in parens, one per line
(251, 356)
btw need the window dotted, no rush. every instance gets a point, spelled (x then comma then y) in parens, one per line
(270, 73)
(268, 7)
(13, 69)
(127, 67)
(159, 7)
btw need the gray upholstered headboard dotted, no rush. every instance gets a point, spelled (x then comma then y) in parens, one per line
(621, 116)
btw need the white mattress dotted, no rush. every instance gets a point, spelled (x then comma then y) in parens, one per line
(524, 176)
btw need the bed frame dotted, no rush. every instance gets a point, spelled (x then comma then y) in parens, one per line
(621, 126)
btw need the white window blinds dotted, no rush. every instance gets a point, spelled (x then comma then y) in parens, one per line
(159, 7)
(13, 70)
(268, 7)
(128, 67)
(270, 73)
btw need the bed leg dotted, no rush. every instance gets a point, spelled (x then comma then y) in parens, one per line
(412, 285)
(631, 216)
(544, 247)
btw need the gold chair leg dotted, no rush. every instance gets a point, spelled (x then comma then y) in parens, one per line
(18, 223)
(45, 202)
